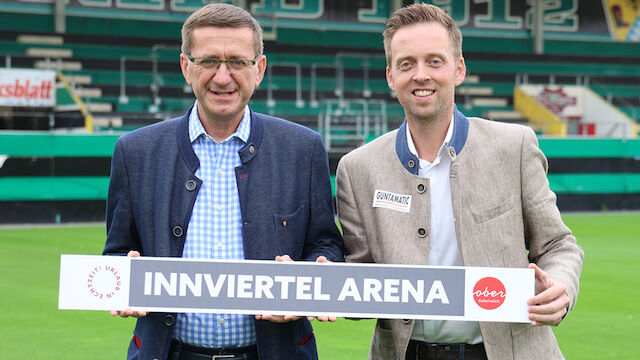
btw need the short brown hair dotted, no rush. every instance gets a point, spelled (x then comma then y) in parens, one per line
(422, 13)
(221, 15)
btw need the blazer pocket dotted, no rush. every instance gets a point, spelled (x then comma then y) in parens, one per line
(382, 344)
(493, 212)
(291, 232)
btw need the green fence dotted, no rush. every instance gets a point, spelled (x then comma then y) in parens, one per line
(15, 144)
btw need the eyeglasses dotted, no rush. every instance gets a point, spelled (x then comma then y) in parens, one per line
(213, 63)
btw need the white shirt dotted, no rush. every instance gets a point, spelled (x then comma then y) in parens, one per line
(444, 245)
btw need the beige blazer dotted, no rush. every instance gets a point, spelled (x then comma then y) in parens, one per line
(505, 216)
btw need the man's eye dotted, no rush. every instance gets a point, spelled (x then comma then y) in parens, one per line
(239, 63)
(405, 65)
(436, 62)
(208, 61)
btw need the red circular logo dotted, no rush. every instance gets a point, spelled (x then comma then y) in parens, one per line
(104, 282)
(489, 293)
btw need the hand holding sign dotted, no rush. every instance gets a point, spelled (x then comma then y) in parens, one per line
(550, 305)
(128, 312)
(287, 318)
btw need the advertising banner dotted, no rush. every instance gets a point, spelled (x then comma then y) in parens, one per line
(27, 88)
(295, 288)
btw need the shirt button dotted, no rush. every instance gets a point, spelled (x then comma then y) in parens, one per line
(219, 244)
(422, 232)
(222, 321)
(220, 208)
(219, 171)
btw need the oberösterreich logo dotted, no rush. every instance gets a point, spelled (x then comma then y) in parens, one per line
(489, 293)
(104, 282)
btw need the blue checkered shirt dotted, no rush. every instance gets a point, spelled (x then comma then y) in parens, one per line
(215, 231)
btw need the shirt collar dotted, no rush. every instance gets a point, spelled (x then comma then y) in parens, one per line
(196, 129)
(447, 139)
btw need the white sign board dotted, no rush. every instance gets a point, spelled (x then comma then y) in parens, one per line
(32, 88)
(295, 288)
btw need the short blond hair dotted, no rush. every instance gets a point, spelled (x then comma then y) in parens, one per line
(221, 15)
(417, 14)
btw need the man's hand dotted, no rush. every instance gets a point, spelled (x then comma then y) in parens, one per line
(549, 306)
(287, 318)
(128, 312)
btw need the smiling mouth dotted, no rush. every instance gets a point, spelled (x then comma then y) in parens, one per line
(423, 92)
(222, 92)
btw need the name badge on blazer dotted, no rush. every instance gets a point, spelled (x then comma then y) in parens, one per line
(389, 200)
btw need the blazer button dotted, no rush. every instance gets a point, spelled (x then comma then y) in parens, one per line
(190, 185)
(177, 231)
(411, 163)
(422, 232)
(452, 152)
(406, 321)
(169, 320)
(252, 149)
(421, 188)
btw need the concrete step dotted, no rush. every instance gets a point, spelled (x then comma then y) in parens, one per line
(499, 102)
(79, 79)
(49, 52)
(475, 90)
(502, 114)
(54, 65)
(39, 39)
(88, 92)
(107, 121)
(98, 107)
(471, 79)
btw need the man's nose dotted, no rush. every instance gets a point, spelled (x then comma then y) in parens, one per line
(222, 75)
(422, 73)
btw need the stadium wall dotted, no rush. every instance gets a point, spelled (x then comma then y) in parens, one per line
(49, 178)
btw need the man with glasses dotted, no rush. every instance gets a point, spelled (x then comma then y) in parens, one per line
(222, 182)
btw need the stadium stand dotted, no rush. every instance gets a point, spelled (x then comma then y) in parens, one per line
(121, 70)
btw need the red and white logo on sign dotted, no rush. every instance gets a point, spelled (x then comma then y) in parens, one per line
(104, 282)
(489, 293)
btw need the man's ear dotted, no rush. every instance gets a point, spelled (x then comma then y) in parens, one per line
(390, 79)
(262, 67)
(184, 63)
(461, 71)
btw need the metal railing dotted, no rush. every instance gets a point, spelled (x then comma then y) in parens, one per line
(352, 121)
(271, 102)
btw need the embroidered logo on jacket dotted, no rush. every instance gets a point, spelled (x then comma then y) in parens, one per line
(389, 200)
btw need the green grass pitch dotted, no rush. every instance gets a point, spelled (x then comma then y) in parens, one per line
(604, 325)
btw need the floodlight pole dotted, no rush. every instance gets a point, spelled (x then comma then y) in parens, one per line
(59, 17)
(538, 27)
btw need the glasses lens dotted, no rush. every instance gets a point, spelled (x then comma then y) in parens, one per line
(215, 63)
(239, 64)
(208, 63)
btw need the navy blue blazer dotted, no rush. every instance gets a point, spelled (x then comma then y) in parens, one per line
(284, 176)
